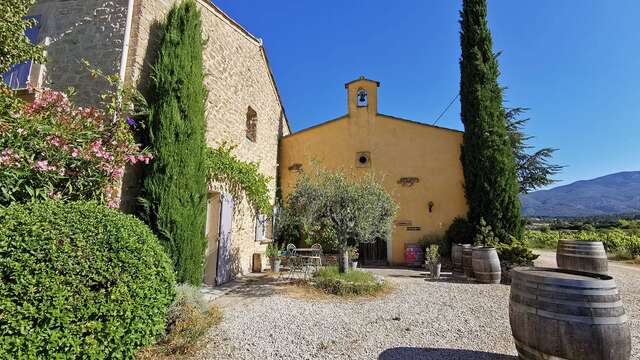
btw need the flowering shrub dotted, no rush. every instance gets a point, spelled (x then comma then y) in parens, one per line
(51, 148)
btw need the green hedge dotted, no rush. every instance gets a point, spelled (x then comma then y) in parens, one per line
(615, 240)
(459, 232)
(79, 280)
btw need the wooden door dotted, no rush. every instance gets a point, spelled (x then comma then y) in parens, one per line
(374, 253)
(223, 273)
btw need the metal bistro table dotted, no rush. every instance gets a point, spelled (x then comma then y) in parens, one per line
(310, 259)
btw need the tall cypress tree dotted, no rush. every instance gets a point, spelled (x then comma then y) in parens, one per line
(175, 188)
(491, 185)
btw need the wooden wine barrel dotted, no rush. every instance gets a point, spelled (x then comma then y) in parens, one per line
(456, 257)
(413, 255)
(581, 255)
(467, 262)
(486, 265)
(566, 314)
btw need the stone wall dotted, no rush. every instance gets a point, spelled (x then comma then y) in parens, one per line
(237, 77)
(81, 29)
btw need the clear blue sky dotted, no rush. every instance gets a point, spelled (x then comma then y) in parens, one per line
(575, 63)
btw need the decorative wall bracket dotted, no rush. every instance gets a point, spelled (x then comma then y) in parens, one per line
(408, 181)
(297, 167)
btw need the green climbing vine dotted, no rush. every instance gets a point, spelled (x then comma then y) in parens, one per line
(243, 180)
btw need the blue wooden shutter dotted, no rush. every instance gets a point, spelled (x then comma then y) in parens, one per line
(224, 272)
(18, 75)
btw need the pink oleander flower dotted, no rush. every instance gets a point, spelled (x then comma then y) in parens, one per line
(132, 159)
(146, 158)
(43, 165)
(117, 173)
(75, 152)
(96, 145)
(54, 140)
(114, 203)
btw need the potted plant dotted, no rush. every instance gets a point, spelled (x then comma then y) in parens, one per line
(354, 255)
(485, 259)
(273, 253)
(432, 260)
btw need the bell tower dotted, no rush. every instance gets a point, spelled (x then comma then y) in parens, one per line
(362, 96)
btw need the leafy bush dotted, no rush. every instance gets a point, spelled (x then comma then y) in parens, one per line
(516, 253)
(355, 282)
(79, 280)
(459, 232)
(243, 179)
(53, 149)
(485, 236)
(189, 318)
(273, 251)
(432, 254)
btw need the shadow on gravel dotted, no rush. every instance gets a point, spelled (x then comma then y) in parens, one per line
(450, 278)
(258, 288)
(439, 354)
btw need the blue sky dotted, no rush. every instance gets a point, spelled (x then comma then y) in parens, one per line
(574, 63)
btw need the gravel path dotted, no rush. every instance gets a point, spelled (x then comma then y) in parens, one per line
(420, 319)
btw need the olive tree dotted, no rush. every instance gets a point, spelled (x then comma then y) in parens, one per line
(357, 210)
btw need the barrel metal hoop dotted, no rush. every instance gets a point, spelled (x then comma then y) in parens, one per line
(602, 283)
(598, 305)
(586, 255)
(570, 289)
(610, 320)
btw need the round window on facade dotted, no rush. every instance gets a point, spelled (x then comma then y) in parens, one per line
(363, 159)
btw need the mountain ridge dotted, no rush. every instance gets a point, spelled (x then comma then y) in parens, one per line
(617, 193)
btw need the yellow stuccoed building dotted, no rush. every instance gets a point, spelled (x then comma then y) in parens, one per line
(419, 165)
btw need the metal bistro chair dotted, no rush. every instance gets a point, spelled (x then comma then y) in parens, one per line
(294, 262)
(315, 261)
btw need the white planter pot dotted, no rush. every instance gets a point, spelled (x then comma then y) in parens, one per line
(435, 271)
(275, 266)
(354, 264)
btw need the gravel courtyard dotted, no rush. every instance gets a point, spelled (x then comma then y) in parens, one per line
(420, 319)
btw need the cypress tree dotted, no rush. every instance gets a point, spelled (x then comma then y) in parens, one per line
(175, 188)
(491, 185)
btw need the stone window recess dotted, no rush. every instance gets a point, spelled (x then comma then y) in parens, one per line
(363, 159)
(252, 124)
(261, 227)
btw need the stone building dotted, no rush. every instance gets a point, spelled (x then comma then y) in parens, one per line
(243, 107)
(419, 165)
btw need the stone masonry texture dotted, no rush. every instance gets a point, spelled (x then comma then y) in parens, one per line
(92, 30)
(237, 77)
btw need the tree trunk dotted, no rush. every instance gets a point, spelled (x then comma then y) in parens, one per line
(343, 260)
